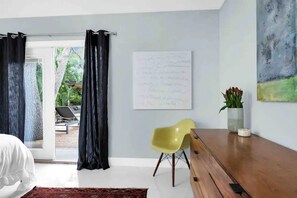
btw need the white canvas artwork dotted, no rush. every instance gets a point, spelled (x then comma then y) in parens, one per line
(162, 80)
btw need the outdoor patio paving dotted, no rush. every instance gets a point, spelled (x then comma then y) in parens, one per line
(63, 140)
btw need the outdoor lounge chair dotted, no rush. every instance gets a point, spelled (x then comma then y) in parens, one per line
(66, 117)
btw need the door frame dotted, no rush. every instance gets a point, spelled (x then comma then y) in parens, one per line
(45, 51)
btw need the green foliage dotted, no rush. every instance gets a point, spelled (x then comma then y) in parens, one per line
(70, 89)
(233, 97)
(39, 80)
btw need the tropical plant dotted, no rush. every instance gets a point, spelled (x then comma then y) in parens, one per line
(70, 91)
(39, 80)
(233, 97)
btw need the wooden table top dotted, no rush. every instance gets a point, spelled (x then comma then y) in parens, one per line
(261, 167)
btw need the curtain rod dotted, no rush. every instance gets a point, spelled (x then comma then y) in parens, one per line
(60, 34)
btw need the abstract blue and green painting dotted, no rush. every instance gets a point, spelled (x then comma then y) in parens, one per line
(276, 50)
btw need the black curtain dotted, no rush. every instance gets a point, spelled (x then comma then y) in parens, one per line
(93, 130)
(12, 96)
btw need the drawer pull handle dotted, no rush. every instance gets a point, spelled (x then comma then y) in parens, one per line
(195, 179)
(196, 152)
(237, 188)
(196, 136)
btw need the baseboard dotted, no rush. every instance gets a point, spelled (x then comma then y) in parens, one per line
(144, 162)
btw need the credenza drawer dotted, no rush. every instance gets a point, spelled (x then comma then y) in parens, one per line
(196, 145)
(212, 179)
(206, 183)
(221, 178)
(195, 184)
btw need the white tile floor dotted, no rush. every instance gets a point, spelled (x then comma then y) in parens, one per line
(65, 175)
(66, 154)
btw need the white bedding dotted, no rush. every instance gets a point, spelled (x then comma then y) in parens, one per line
(16, 163)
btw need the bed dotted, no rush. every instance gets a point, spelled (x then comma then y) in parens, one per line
(16, 163)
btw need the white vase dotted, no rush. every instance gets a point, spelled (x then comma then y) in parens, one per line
(235, 119)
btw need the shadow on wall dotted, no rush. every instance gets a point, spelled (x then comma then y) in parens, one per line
(247, 109)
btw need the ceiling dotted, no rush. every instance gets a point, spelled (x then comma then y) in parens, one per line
(41, 8)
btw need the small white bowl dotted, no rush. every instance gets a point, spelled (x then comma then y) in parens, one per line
(244, 132)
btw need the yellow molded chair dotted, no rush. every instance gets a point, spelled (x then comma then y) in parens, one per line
(171, 139)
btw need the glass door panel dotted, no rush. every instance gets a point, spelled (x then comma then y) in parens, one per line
(34, 103)
(39, 83)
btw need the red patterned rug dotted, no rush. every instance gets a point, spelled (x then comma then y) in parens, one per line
(39, 192)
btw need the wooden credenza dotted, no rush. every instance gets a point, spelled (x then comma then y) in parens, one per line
(256, 167)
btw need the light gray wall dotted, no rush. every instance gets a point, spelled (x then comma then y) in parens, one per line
(130, 130)
(238, 67)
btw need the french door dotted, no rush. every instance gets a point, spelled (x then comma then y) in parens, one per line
(39, 80)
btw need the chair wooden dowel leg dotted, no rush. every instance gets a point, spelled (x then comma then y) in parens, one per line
(173, 167)
(160, 159)
(186, 159)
